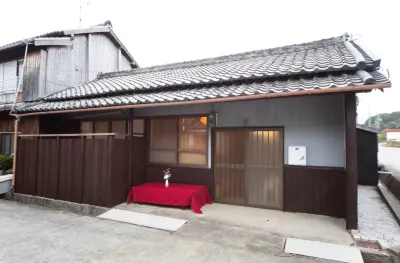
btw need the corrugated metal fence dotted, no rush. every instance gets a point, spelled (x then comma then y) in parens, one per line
(92, 169)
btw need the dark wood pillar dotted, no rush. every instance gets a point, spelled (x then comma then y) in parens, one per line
(351, 160)
(130, 152)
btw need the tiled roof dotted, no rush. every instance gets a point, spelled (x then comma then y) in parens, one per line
(315, 57)
(211, 92)
(327, 63)
(105, 27)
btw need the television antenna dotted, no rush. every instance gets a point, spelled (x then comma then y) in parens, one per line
(80, 10)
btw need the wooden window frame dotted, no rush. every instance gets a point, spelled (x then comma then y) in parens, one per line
(177, 150)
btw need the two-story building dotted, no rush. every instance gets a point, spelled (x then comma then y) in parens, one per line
(52, 62)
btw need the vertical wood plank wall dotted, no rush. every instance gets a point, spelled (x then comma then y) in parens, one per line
(315, 190)
(76, 169)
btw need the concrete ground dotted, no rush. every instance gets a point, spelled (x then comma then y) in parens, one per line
(35, 234)
(307, 226)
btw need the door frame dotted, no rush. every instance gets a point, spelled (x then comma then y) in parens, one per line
(214, 130)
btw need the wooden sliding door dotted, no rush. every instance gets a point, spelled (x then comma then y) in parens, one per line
(248, 167)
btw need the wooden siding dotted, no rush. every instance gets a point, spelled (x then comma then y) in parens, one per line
(30, 85)
(103, 55)
(62, 66)
(6, 122)
(124, 63)
(182, 175)
(30, 125)
(367, 148)
(315, 190)
(77, 169)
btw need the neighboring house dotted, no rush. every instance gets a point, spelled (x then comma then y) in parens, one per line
(55, 61)
(274, 128)
(393, 135)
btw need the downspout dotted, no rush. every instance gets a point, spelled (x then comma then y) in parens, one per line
(17, 119)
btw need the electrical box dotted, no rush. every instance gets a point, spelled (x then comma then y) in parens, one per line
(297, 155)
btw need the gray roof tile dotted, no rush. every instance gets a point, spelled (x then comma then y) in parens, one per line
(206, 92)
(323, 56)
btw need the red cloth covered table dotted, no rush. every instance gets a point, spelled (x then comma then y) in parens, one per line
(195, 196)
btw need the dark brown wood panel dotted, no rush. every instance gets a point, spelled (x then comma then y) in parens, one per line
(182, 175)
(30, 125)
(119, 171)
(27, 166)
(351, 161)
(138, 161)
(70, 165)
(78, 169)
(367, 150)
(46, 171)
(315, 190)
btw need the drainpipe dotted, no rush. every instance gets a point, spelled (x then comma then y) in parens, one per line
(16, 123)
(23, 72)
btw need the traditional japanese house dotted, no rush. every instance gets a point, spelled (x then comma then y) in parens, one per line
(273, 128)
(35, 67)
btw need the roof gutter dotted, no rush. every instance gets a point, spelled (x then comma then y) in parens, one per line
(216, 100)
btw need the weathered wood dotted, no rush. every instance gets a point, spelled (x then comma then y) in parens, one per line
(31, 75)
(351, 161)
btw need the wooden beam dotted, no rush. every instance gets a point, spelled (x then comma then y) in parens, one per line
(55, 41)
(351, 160)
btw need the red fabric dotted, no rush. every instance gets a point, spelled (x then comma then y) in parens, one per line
(195, 196)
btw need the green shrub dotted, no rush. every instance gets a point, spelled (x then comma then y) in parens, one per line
(6, 162)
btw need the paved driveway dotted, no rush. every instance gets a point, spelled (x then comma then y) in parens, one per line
(34, 234)
(390, 157)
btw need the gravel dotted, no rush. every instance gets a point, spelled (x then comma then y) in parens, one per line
(375, 221)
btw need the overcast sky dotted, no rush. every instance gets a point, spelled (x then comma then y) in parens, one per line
(158, 32)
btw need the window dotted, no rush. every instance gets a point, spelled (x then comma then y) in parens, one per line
(179, 141)
(163, 141)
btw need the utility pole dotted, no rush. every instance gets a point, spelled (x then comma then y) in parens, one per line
(369, 114)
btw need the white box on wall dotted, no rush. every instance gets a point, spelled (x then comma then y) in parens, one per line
(297, 155)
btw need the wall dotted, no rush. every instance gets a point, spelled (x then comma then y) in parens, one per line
(66, 65)
(316, 122)
(8, 80)
(103, 55)
(33, 67)
(315, 190)
(124, 64)
(55, 68)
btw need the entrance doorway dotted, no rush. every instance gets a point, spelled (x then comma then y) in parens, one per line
(248, 167)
